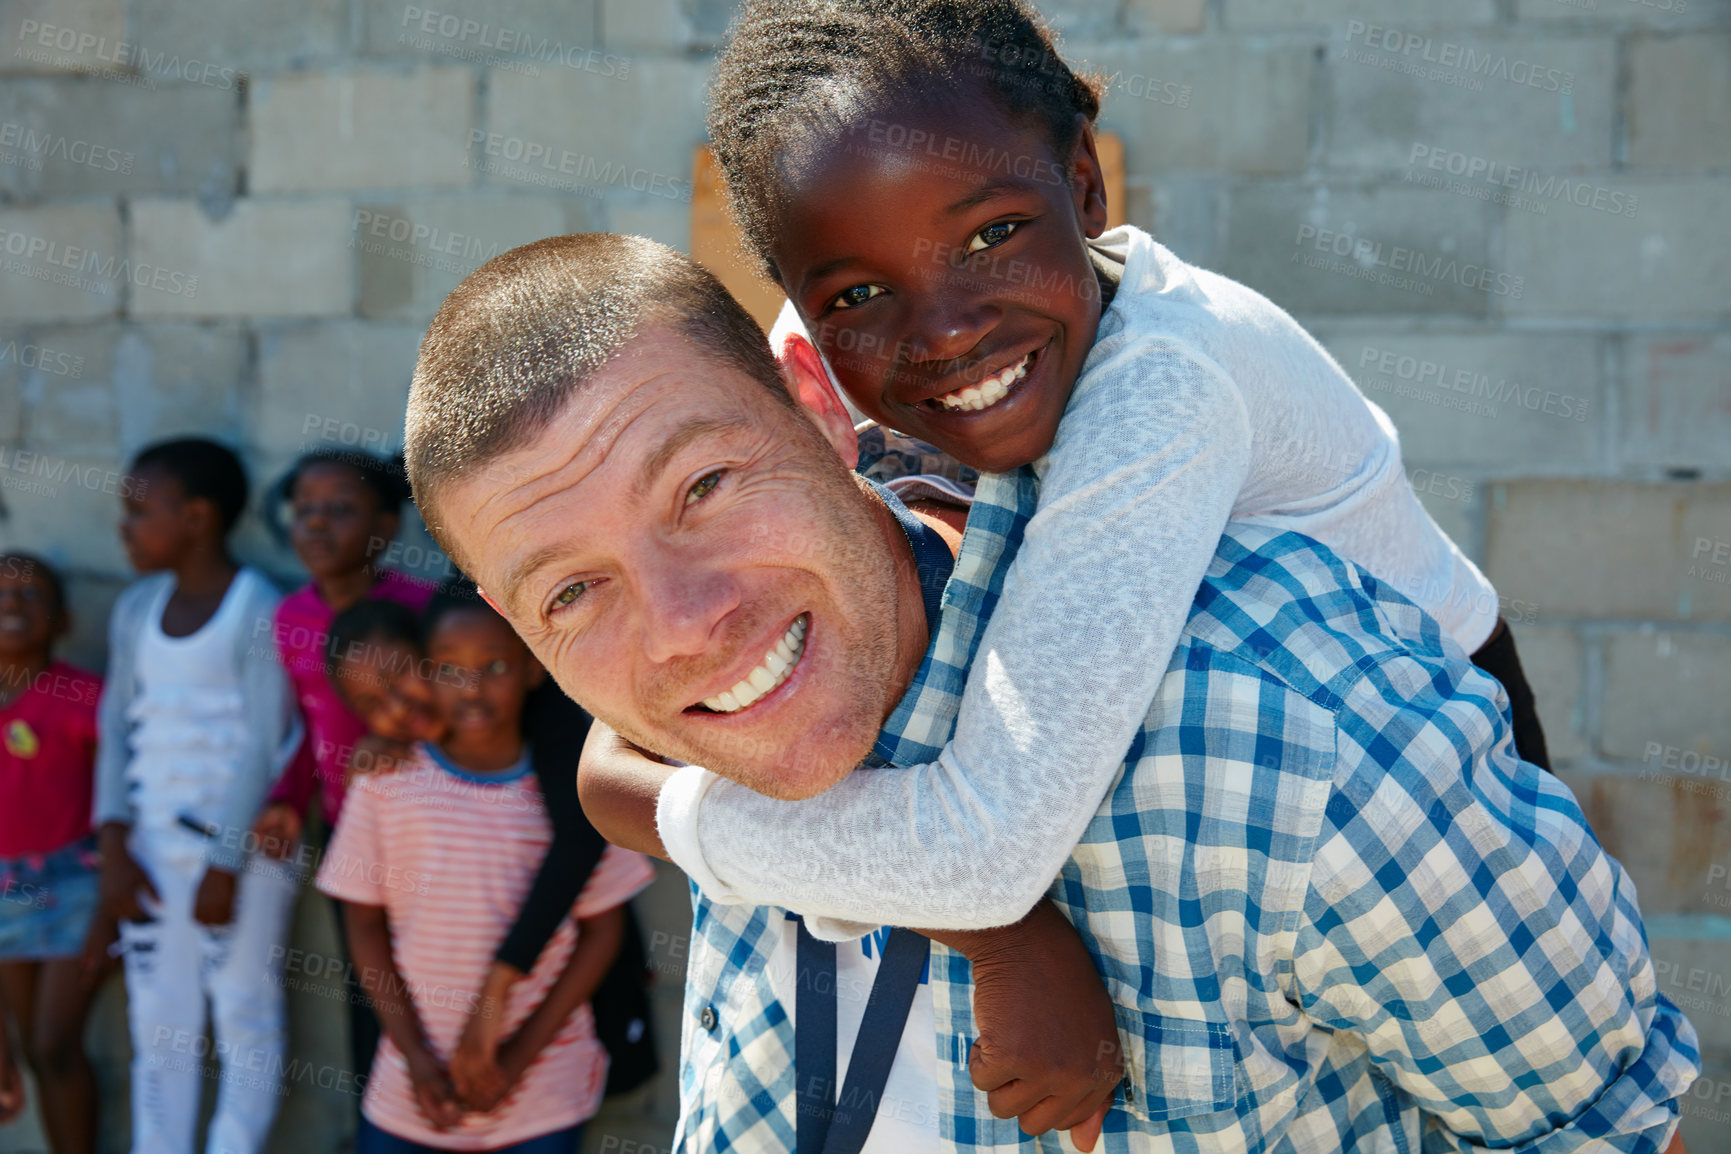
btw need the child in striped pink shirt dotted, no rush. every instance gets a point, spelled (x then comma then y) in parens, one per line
(433, 864)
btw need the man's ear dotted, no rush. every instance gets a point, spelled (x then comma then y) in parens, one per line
(1088, 180)
(809, 383)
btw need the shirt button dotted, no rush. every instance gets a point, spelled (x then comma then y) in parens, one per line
(707, 1019)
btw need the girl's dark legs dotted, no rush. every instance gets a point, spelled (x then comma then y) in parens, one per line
(52, 1001)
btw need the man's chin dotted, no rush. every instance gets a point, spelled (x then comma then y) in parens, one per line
(791, 770)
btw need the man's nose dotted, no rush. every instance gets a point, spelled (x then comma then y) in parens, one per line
(686, 604)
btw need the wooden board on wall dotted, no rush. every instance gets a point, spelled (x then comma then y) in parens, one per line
(715, 242)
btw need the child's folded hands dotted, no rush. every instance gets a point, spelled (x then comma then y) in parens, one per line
(434, 1093)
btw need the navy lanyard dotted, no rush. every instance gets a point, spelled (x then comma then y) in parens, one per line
(822, 1125)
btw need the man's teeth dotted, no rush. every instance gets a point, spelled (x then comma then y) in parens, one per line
(989, 391)
(777, 666)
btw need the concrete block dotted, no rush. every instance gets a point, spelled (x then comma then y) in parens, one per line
(1661, 256)
(1611, 549)
(1493, 403)
(1668, 690)
(1490, 123)
(1665, 14)
(1679, 91)
(666, 222)
(1077, 19)
(1677, 400)
(337, 130)
(564, 126)
(265, 258)
(1673, 873)
(63, 35)
(631, 26)
(17, 348)
(46, 492)
(1165, 15)
(136, 384)
(1389, 250)
(341, 386)
(77, 137)
(1555, 665)
(1204, 105)
(532, 34)
(61, 262)
(1335, 14)
(245, 36)
(412, 253)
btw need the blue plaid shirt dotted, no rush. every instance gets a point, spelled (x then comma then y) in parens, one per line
(1334, 910)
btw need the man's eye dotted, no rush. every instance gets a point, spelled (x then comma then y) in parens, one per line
(705, 485)
(853, 298)
(570, 594)
(992, 236)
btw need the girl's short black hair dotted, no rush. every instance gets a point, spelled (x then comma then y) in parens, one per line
(385, 477)
(814, 68)
(370, 620)
(204, 470)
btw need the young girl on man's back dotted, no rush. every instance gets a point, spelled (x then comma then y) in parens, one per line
(921, 177)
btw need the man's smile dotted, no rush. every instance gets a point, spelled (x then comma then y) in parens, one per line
(777, 666)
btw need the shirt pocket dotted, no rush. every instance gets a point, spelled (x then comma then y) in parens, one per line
(1177, 1067)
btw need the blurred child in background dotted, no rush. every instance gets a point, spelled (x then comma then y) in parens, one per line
(51, 943)
(197, 720)
(378, 667)
(344, 509)
(433, 864)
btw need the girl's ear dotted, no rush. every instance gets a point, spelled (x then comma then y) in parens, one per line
(201, 517)
(388, 523)
(810, 384)
(1088, 180)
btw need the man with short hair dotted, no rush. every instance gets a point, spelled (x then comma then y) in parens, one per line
(1333, 909)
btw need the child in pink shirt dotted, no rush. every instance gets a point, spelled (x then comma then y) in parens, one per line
(344, 509)
(433, 864)
(51, 941)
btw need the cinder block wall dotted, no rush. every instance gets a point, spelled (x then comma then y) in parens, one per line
(1509, 219)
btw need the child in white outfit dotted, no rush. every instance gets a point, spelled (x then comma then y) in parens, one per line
(197, 720)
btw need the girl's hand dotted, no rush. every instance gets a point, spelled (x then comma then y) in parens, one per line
(475, 1067)
(94, 959)
(433, 1091)
(11, 1087)
(277, 829)
(123, 879)
(214, 904)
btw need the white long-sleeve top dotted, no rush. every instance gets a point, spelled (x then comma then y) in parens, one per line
(1200, 401)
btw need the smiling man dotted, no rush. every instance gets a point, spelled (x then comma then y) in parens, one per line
(1333, 910)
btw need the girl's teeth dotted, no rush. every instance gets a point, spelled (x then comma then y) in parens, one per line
(777, 666)
(988, 392)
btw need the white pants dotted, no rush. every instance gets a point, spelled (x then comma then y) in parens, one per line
(173, 965)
